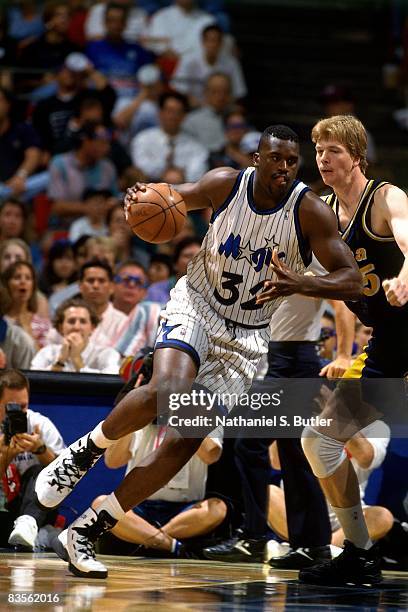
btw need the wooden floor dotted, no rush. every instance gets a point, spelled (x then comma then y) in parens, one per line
(136, 584)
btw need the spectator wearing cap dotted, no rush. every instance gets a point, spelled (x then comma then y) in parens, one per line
(339, 100)
(194, 68)
(136, 21)
(86, 167)
(48, 51)
(97, 202)
(116, 58)
(143, 111)
(76, 321)
(76, 80)
(158, 148)
(249, 145)
(206, 124)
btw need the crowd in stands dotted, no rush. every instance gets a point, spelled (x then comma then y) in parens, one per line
(93, 97)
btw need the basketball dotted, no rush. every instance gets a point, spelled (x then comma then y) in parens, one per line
(159, 214)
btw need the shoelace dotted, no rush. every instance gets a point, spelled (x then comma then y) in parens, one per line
(84, 544)
(84, 458)
(65, 475)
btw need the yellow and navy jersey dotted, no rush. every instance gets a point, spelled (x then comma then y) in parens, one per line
(378, 258)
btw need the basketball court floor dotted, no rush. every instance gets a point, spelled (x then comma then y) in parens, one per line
(42, 582)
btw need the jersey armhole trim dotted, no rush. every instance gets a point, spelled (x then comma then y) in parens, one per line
(230, 197)
(307, 258)
(366, 228)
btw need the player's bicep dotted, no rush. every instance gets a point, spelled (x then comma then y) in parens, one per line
(396, 203)
(319, 227)
(193, 195)
(210, 191)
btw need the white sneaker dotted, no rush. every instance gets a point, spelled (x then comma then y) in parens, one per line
(58, 479)
(24, 532)
(80, 546)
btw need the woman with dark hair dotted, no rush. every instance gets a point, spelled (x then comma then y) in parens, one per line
(60, 269)
(18, 295)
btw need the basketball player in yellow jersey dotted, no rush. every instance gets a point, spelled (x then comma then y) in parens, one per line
(373, 220)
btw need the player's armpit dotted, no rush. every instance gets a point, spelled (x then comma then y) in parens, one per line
(319, 231)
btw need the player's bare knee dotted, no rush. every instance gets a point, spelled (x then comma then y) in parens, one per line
(217, 508)
(97, 501)
(324, 454)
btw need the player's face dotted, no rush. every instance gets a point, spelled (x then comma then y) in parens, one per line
(277, 163)
(334, 162)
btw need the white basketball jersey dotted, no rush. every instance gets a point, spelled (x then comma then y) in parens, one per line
(234, 261)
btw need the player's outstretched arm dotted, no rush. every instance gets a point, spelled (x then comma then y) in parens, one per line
(319, 230)
(210, 191)
(394, 203)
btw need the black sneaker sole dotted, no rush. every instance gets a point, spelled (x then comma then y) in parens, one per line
(233, 559)
(344, 585)
(74, 570)
(295, 565)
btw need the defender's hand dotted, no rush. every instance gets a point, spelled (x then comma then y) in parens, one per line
(396, 291)
(336, 368)
(288, 282)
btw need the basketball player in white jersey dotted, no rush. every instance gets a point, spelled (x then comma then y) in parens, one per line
(264, 228)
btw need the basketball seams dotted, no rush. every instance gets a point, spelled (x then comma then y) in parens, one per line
(170, 203)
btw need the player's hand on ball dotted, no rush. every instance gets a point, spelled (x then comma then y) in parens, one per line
(288, 283)
(396, 291)
(131, 197)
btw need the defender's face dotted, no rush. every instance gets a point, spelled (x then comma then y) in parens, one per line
(334, 162)
(277, 163)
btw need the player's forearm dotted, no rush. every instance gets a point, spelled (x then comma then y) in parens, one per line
(403, 275)
(345, 322)
(343, 284)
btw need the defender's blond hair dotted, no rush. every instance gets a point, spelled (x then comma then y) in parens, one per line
(347, 130)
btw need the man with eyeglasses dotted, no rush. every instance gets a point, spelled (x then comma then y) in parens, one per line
(129, 293)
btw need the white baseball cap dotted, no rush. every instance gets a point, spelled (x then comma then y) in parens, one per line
(77, 62)
(250, 142)
(148, 74)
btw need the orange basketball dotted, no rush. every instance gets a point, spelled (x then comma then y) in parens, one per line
(159, 214)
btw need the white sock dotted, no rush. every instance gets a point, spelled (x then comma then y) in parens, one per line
(98, 437)
(112, 507)
(354, 526)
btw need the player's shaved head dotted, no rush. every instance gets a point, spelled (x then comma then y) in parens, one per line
(283, 132)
